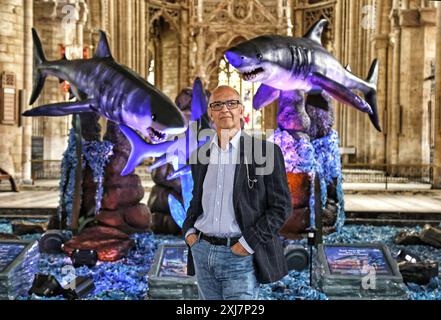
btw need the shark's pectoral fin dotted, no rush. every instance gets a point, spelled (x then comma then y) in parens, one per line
(264, 96)
(61, 109)
(317, 100)
(141, 149)
(340, 92)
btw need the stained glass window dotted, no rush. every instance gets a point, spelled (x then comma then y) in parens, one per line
(229, 76)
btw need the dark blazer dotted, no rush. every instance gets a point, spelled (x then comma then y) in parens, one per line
(260, 211)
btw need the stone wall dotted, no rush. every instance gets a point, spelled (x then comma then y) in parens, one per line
(192, 37)
(417, 51)
(169, 62)
(49, 21)
(437, 142)
(12, 59)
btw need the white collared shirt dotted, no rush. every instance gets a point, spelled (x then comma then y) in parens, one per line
(218, 218)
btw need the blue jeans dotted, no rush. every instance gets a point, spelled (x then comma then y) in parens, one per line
(223, 275)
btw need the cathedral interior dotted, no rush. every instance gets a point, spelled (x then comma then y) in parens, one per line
(391, 179)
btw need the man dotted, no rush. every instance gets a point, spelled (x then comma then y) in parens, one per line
(235, 214)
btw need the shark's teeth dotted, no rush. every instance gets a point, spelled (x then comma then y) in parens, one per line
(247, 69)
(156, 136)
(252, 74)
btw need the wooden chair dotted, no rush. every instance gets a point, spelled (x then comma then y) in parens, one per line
(6, 176)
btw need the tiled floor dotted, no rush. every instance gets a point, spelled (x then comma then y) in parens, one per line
(380, 202)
(34, 199)
(390, 186)
(393, 203)
(29, 199)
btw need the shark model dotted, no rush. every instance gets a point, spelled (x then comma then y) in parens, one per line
(283, 63)
(113, 91)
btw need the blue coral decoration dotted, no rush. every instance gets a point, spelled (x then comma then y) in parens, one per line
(320, 157)
(127, 279)
(328, 167)
(67, 181)
(96, 156)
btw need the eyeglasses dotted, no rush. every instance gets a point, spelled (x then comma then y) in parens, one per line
(219, 105)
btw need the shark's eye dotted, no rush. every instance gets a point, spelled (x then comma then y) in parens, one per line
(154, 117)
(259, 56)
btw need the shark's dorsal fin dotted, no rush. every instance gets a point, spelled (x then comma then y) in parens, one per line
(198, 100)
(103, 48)
(316, 31)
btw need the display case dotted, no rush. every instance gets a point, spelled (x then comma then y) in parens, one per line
(168, 277)
(357, 271)
(18, 266)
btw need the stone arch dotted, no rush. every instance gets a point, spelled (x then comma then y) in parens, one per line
(165, 44)
(216, 51)
(157, 14)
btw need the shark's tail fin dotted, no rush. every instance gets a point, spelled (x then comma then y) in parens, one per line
(39, 59)
(371, 94)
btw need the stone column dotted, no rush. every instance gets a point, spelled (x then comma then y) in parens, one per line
(395, 105)
(143, 68)
(339, 27)
(50, 22)
(350, 119)
(382, 50)
(417, 29)
(27, 85)
(184, 52)
(147, 37)
(127, 34)
(200, 43)
(359, 55)
(12, 57)
(437, 154)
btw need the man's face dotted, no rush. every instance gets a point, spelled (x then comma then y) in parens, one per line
(225, 118)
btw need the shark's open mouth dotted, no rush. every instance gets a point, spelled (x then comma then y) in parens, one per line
(156, 136)
(253, 74)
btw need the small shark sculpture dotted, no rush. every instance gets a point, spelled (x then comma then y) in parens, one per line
(113, 91)
(283, 63)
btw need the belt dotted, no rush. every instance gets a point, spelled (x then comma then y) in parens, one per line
(220, 241)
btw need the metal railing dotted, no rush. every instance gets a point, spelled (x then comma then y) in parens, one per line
(51, 169)
(45, 169)
(388, 173)
(352, 172)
